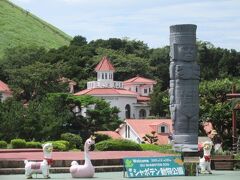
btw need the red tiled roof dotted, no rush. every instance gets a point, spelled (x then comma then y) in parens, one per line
(105, 91)
(112, 134)
(146, 126)
(105, 65)
(4, 87)
(139, 80)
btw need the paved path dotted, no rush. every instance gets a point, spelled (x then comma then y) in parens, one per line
(95, 155)
(219, 175)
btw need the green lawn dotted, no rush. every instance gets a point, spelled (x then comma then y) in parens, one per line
(21, 28)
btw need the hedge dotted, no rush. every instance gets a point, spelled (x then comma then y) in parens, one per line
(75, 141)
(18, 143)
(33, 144)
(167, 148)
(118, 145)
(101, 137)
(3, 144)
(61, 145)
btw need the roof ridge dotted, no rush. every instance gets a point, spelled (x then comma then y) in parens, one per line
(105, 64)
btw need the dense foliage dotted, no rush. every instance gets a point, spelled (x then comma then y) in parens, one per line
(33, 73)
(53, 115)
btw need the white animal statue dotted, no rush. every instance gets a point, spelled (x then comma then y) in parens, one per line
(86, 170)
(205, 161)
(40, 167)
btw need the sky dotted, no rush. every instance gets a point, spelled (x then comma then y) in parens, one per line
(218, 21)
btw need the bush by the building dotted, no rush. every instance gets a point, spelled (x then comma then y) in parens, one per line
(3, 144)
(75, 141)
(33, 144)
(18, 143)
(118, 145)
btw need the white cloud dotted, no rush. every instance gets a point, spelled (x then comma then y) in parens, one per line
(218, 21)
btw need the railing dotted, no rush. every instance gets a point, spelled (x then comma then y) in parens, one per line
(104, 84)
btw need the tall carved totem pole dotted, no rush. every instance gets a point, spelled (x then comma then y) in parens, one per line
(184, 81)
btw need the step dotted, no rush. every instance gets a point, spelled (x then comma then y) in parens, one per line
(60, 163)
(62, 169)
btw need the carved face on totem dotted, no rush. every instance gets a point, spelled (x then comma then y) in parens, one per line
(184, 52)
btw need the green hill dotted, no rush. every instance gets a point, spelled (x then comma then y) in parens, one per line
(18, 27)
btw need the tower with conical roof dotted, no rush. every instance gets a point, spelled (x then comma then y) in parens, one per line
(105, 73)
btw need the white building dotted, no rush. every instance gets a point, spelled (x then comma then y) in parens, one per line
(5, 91)
(130, 96)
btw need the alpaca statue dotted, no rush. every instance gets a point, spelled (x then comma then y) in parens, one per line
(87, 170)
(40, 167)
(205, 161)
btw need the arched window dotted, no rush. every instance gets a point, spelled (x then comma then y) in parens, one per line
(127, 111)
(142, 113)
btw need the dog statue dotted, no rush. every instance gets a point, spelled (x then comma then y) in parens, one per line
(205, 161)
(86, 170)
(40, 167)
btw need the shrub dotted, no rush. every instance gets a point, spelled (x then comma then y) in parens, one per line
(101, 137)
(75, 141)
(3, 144)
(118, 145)
(18, 143)
(33, 144)
(61, 145)
(153, 147)
(159, 148)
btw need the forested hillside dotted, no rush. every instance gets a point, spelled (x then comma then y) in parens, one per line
(20, 28)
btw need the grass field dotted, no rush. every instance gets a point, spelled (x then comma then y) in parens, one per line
(18, 27)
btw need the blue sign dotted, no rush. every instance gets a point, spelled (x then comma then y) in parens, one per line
(154, 166)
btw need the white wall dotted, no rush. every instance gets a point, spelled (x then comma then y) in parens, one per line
(140, 88)
(132, 134)
(121, 102)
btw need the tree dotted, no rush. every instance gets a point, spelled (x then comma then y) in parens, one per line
(214, 105)
(12, 114)
(59, 116)
(159, 102)
(78, 41)
(36, 80)
(18, 57)
(159, 63)
(151, 138)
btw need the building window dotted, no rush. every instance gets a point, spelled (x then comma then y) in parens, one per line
(163, 129)
(142, 113)
(145, 91)
(136, 89)
(105, 75)
(102, 75)
(1, 96)
(127, 111)
(127, 131)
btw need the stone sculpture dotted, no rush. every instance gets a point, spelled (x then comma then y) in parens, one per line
(205, 161)
(40, 167)
(87, 170)
(184, 81)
